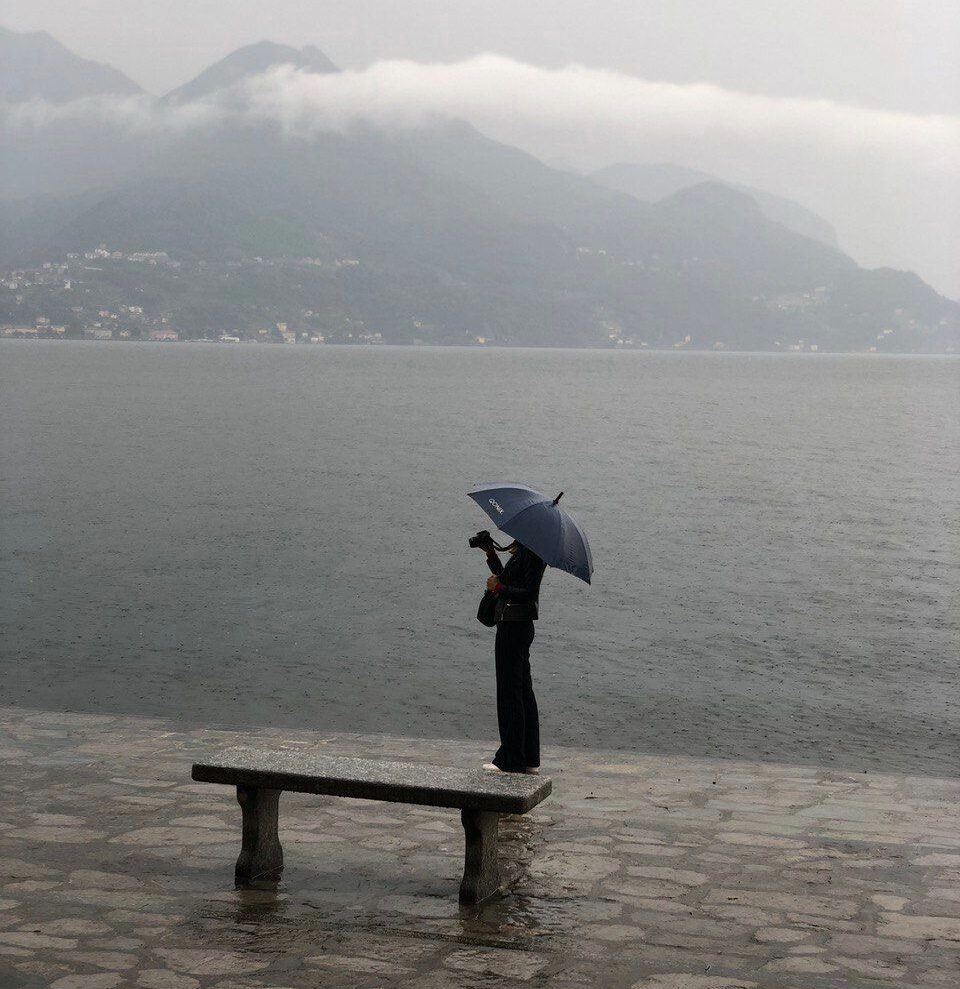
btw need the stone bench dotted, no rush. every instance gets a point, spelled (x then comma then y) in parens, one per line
(481, 795)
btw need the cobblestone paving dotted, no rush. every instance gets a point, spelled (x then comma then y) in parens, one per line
(116, 871)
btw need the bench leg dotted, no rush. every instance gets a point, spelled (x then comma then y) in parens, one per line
(481, 873)
(261, 856)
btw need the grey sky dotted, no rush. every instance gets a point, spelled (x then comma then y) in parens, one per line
(890, 54)
(900, 54)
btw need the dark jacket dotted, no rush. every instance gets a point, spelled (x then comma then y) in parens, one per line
(518, 590)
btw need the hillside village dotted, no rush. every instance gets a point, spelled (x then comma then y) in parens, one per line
(105, 294)
(65, 300)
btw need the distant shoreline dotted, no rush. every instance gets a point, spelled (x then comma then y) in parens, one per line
(499, 347)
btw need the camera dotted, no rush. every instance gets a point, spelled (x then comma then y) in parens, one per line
(482, 540)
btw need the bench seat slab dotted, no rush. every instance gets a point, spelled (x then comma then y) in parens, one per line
(374, 779)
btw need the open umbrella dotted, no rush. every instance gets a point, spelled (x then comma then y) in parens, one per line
(539, 523)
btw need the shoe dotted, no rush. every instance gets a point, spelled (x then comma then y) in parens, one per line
(493, 768)
(532, 770)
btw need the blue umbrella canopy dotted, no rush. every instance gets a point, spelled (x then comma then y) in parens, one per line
(539, 523)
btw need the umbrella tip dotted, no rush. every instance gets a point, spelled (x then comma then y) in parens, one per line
(559, 496)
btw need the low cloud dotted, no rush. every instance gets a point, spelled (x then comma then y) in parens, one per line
(888, 180)
(497, 93)
(136, 114)
(500, 95)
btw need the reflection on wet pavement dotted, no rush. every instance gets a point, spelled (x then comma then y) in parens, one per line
(650, 872)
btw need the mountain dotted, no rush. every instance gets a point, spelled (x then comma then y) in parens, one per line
(250, 61)
(434, 233)
(65, 156)
(439, 233)
(35, 65)
(651, 182)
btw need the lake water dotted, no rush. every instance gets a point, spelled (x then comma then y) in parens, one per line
(274, 535)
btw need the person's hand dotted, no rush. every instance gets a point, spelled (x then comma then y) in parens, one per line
(492, 582)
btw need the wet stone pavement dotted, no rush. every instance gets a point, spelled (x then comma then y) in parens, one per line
(649, 872)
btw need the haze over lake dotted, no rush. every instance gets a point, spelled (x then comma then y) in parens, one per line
(278, 535)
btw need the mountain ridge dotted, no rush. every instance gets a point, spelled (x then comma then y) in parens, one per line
(34, 65)
(434, 233)
(657, 180)
(250, 60)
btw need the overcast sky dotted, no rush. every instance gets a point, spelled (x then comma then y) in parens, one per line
(891, 55)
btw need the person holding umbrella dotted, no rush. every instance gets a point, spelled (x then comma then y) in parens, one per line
(543, 534)
(516, 587)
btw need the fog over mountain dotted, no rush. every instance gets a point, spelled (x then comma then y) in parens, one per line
(416, 225)
(745, 79)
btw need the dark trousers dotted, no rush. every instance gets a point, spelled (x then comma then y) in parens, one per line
(516, 706)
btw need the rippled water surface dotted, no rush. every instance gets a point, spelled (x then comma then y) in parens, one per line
(278, 536)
